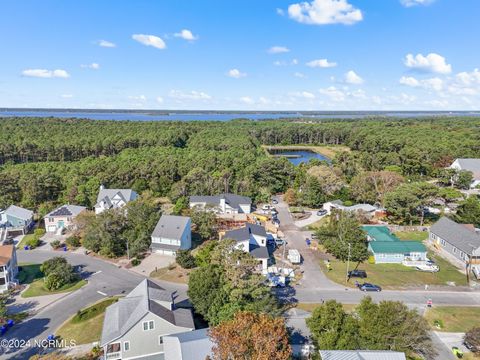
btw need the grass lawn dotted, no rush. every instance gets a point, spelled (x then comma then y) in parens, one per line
(312, 306)
(31, 274)
(412, 235)
(174, 273)
(454, 318)
(86, 326)
(24, 241)
(391, 276)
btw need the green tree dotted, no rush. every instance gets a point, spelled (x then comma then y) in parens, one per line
(203, 254)
(205, 223)
(468, 211)
(58, 272)
(185, 259)
(312, 192)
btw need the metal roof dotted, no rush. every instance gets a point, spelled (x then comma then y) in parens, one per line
(379, 233)
(171, 227)
(396, 247)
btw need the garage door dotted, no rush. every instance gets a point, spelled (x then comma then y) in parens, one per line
(166, 252)
(52, 228)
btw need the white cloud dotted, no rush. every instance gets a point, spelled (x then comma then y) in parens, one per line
(278, 50)
(434, 63)
(321, 63)
(190, 95)
(409, 81)
(139, 98)
(93, 66)
(247, 100)
(159, 100)
(280, 12)
(333, 93)
(468, 79)
(351, 77)
(150, 40)
(186, 35)
(236, 74)
(294, 62)
(299, 75)
(430, 84)
(44, 73)
(66, 96)
(322, 12)
(105, 43)
(410, 3)
(303, 94)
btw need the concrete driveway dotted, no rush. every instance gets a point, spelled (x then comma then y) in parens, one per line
(313, 218)
(153, 262)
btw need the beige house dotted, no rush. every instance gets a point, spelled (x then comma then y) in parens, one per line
(8, 267)
(62, 218)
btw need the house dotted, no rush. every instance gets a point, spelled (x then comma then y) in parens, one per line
(8, 267)
(388, 249)
(62, 218)
(16, 219)
(190, 345)
(223, 204)
(472, 165)
(172, 233)
(361, 355)
(458, 240)
(135, 326)
(251, 238)
(113, 199)
(366, 209)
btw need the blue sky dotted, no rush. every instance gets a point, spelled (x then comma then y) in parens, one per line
(241, 54)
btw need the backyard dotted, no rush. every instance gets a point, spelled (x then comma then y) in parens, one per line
(453, 318)
(412, 235)
(31, 275)
(172, 273)
(86, 326)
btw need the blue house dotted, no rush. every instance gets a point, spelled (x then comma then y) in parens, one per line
(388, 249)
(15, 218)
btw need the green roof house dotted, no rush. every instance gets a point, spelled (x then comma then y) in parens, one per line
(388, 249)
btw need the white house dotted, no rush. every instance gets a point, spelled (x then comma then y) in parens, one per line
(172, 233)
(472, 165)
(190, 345)
(62, 218)
(252, 239)
(135, 326)
(113, 199)
(8, 267)
(223, 204)
(366, 209)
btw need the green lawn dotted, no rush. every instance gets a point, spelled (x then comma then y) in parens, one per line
(412, 235)
(31, 274)
(391, 276)
(24, 241)
(453, 318)
(86, 326)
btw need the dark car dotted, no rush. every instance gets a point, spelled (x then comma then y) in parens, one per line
(369, 287)
(358, 274)
(321, 212)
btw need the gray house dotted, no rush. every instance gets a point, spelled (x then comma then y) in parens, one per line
(16, 218)
(461, 241)
(191, 345)
(361, 355)
(472, 165)
(113, 199)
(135, 326)
(172, 233)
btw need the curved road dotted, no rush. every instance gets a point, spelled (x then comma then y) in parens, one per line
(104, 279)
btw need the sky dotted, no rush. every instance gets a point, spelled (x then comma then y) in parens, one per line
(241, 54)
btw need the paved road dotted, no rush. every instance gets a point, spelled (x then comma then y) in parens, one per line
(104, 279)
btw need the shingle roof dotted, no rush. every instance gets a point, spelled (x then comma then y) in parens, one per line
(396, 247)
(171, 227)
(243, 234)
(191, 345)
(231, 199)
(361, 355)
(259, 252)
(107, 194)
(380, 233)
(19, 212)
(66, 210)
(472, 165)
(456, 234)
(6, 253)
(128, 311)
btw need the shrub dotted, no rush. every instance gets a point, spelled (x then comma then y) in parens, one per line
(58, 273)
(73, 241)
(135, 262)
(53, 281)
(33, 242)
(185, 259)
(371, 259)
(39, 232)
(55, 244)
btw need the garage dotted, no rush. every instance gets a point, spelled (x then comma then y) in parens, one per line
(51, 228)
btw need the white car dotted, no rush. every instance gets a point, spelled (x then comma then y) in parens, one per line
(428, 267)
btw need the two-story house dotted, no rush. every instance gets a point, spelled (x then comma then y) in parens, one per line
(223, 204)
(251, 238)
(62, 218)
(113, 199)
(172, 233)
(472, 165)
(16, 219)
(8, 267)
(135, 326)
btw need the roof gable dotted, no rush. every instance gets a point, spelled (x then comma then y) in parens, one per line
(19, 212)
(171, 227)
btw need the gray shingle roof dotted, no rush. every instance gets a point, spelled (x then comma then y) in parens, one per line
(243, 234)
(171, 227)
(19, 212)
(66, 210)
(360, 355)
(128, 311)
(259, 252)
(456, 235)
(191, 345)
(231, 199)
(472, 165)
(107, 194)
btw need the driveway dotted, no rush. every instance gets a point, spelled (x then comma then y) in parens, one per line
(153, 262)
(313, 218)
(104, 279)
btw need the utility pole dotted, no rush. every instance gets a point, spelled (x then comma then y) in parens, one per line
(128, 252)
(348, 262)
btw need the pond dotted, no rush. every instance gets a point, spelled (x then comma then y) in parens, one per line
(297, 157)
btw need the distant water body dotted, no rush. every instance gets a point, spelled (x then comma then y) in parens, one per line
(156, 115)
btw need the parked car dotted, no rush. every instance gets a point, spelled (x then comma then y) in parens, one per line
(321, 212)
(428, 267)
(266, 207)
(280, 242)
(357, 273)
(274, 201)
(471, 347)
(276, 221)
(369, 287)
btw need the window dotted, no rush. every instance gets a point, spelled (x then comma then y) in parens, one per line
(454, 250)
(145, 326)
(443, 242)
(126, 346)
(151, 325)
(160, 340)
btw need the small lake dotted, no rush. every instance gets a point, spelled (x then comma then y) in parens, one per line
(297, 157)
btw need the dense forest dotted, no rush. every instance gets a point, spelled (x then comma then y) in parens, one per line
(46, 161)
